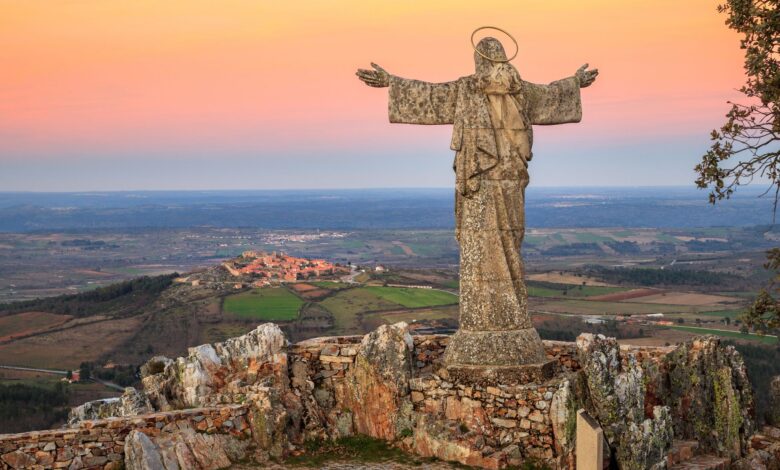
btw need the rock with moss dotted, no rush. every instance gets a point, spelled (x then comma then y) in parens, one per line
(614, 394)
(706, 386)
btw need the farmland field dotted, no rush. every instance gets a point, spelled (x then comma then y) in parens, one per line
(329, 284)
(347, 304)
(565, 278)
(269, 304)
(69, 348)
(592, 307)
(723, 313)
(28, 322)
(413, 298)
(728, 334)
(549, 289)
(687, 298)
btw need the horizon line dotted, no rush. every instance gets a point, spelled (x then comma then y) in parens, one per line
(383, 188)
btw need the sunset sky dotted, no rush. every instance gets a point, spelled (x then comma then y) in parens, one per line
(254, 94)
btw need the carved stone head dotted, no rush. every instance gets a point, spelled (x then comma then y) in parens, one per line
(495, 77)
(491, 47)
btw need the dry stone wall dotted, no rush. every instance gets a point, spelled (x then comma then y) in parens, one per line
(100, 444)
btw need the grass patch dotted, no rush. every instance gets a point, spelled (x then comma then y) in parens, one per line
(411, 297)
(728, 334)
(352, 449)
(270, 304)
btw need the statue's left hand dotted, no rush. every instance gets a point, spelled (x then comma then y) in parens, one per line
(586, 77)
(377, 78)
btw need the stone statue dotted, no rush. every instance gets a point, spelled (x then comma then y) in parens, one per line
(492, 112)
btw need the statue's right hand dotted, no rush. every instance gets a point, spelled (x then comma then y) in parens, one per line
(378, 78)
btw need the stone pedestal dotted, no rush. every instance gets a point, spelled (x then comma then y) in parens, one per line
(508, 357)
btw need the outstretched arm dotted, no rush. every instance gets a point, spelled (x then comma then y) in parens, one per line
(559, 102)
(413, 101)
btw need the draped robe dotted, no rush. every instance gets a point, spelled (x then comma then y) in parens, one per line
(492, 137)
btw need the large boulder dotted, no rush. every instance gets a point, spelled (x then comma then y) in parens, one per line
(378, 383)
(707, 389)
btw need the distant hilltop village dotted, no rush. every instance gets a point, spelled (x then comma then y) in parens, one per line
(274, 267)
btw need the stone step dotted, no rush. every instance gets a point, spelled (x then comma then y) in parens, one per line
(703, 462)
(682, 451)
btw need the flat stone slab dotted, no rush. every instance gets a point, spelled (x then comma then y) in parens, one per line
(504, 375)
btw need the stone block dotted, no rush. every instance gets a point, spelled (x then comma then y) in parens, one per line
(590, 443)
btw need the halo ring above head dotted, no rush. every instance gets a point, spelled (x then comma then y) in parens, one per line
(517, 49)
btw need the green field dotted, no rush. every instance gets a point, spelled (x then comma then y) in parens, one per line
(413, 298)
(728, 334)
(723, 313)
(548, 289)
(588, 237)
(329, 284)
(270, 304)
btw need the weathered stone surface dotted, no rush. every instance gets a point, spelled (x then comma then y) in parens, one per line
(209, 371)
(509, 374)
(132, 402)
(378, 382)
(615, 397)
(709, 394)
(434, 439)
(184, 449)
(563, 417)
(18, 459)
(141, 453)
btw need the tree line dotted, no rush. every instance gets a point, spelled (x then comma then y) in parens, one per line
(95, 301)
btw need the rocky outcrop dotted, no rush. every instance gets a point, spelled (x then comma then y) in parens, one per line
(774, 401)
(378, 383)
(131, 403)
(709, 395)
(219, 373)
(614, 394)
